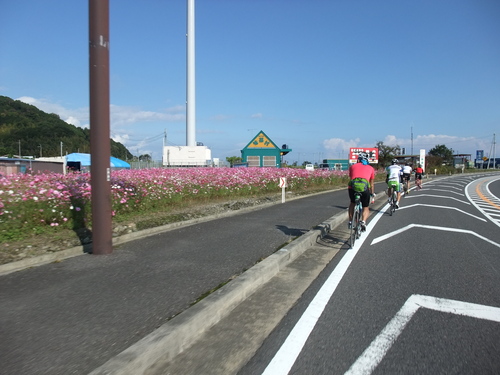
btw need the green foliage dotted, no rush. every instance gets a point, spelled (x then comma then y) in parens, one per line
(233, 159)
(443, 154)
(386, 153)
(40, 134)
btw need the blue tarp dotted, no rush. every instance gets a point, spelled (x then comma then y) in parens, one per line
(84, 160)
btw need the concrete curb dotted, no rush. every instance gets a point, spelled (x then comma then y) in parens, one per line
(182, 331)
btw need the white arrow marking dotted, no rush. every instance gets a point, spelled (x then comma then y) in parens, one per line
(436, 206)
(374, 354)
(436, 196)
(445, 229)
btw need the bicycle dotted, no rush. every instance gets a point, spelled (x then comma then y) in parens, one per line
(405, 188)
(418, 184)
(393, 200)
(356, 219)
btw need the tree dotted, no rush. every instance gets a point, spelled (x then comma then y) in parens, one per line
(386, 153)
(442, 153)
(145, 157)
(233, 159)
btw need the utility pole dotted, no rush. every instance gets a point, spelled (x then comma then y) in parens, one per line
(494, 152)
(412, 144)
(19, 149)
(100, 149)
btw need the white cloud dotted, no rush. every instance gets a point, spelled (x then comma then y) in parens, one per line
(462, 145)
(73, 121)
(75, 117)
(338, 147)
(256, 115)
(121, 138)
(130, 115)
(120, 115)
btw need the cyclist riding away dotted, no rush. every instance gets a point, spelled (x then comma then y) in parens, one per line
(362, 177)
(393, 180)
(406, 176)
(419, 171)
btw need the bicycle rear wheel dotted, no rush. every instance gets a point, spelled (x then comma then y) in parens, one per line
(355, 226)
(392, 202)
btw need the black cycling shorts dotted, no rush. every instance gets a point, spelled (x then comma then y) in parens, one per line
(365, 197)
(418, 176)
(406, 177)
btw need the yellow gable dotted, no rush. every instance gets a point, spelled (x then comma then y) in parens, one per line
(261, 141)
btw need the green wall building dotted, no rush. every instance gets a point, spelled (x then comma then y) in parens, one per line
(261, 151)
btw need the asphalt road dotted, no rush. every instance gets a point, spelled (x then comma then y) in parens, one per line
(70, 317)
(419, 295)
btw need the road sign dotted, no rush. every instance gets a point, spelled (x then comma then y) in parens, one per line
(282, 183)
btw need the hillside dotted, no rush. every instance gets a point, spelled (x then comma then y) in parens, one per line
(38, 133)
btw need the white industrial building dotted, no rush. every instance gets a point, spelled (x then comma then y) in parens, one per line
(187, 156)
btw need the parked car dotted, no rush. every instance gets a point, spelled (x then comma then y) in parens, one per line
(309, 167)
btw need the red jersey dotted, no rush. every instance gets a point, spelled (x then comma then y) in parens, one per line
(359, 170)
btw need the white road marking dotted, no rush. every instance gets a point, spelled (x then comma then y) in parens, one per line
(436, 206)
(291, 348)
(445, 229)
(374, 354)
(448, 191)
(436, 196)
(486, 208)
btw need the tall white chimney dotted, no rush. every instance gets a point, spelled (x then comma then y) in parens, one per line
(190, 90)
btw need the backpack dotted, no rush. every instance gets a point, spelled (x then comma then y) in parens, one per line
(359, 185)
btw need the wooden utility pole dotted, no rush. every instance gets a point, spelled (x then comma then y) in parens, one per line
(100, 149)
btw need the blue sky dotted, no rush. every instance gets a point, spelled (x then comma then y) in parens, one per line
(320, 76)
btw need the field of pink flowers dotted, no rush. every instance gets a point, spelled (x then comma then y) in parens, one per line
(32, 204)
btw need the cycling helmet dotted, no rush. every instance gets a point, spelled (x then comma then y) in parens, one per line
(395, 161)
(362, 156)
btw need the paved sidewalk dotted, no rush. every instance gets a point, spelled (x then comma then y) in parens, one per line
(93, 313)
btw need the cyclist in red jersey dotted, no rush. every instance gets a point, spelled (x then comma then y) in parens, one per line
(361, 174)
(419, 171)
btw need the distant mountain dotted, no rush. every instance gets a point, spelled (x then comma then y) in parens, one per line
(37, 133)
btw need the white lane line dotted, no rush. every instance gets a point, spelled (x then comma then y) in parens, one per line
(291, 348)
(377, 350)
(436, 206)
(436, 196)
(445, 229)
(448, 191)
(450, 186)
(492, 196)
(486, 208)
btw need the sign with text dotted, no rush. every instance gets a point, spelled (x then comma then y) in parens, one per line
(421, 160)
(371, 151)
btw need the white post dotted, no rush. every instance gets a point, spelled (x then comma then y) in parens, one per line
(282, 185)
(190, 100)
